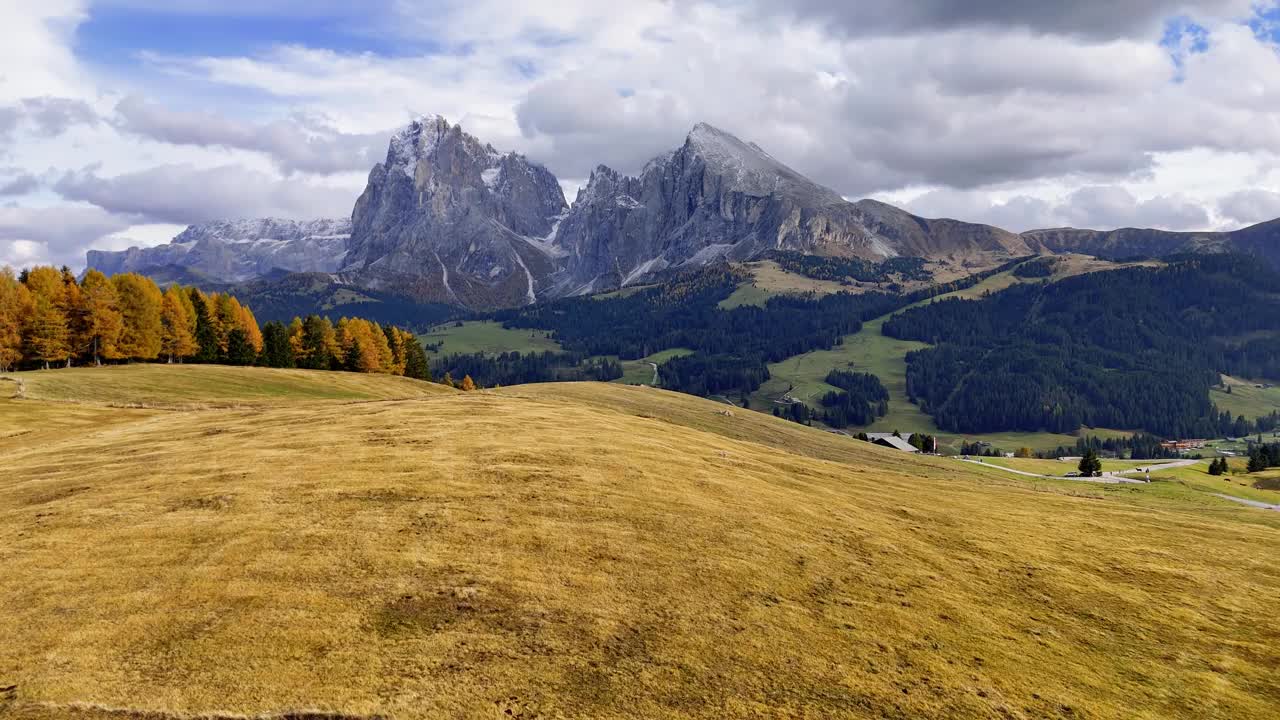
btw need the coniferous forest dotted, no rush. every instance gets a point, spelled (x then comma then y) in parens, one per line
(732, 348)
(1132, 348)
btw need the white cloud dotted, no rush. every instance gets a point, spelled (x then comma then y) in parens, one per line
(57, 235)
(296, 144)
(1247, 207)
(184, 194)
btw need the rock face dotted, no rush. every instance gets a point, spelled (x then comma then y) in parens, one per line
(449, 219)
(235, 251)
(717, 197)
(1262, 240)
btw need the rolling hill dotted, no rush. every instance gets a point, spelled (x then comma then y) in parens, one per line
(585, 550)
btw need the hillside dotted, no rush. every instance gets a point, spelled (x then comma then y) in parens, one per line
(1259, 240)
(590, 550)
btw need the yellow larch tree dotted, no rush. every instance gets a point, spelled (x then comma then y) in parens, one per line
(140, 305)
(252, 333)
(177, 341)
(15, 308)
(45, 331)
(102, 320)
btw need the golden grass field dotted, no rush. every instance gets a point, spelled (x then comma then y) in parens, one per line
(585, 551)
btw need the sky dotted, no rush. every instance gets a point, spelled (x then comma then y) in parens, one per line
(122, 121)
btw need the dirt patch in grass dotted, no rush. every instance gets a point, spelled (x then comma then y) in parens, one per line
(214, 503)
(483, 607)
(50, 496)
(1271, 483)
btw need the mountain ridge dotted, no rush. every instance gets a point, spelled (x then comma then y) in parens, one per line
(447, 218)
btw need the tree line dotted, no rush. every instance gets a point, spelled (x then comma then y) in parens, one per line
(845, 270)
(861, 399)
(515, 368)
(1263, 456)
(49, 317)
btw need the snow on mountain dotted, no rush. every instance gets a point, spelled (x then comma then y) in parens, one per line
(239, 250)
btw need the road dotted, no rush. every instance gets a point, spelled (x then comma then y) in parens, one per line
(1108, 477)
(655, 373)
(1251, 503)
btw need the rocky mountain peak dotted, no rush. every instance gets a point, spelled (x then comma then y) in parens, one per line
(745, 167)
(448, 218)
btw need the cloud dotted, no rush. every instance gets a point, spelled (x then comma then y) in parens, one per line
(1248, 207)
(297, 144)
(52, 116)
(183, 194)
(1103, 207)
(9, 119)
(58, 235)
(45, 117)
(15, 181)
(1110, 207)
(1086, 18)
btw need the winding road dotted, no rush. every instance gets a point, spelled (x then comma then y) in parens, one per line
(1107, 477)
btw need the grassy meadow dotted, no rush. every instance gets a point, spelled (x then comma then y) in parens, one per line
(769, 280)
(1246, 398)
(487, 337)
(640, 372)
(588, 550)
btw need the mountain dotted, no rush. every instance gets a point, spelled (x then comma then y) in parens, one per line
(236, 251)
(449, 219)
(717, 197)
(446, 218)
(1262, 240)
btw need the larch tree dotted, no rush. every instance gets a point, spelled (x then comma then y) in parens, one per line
(227, 309)
(298, 349)
(15, 308)
(176, 339)
(253, 333)
(102, 320)
(45, 332)
(79, 335)
(141, 303)
(468, 384)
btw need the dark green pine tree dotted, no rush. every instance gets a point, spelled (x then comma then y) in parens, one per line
(276, 350)
(206, 336)
(239, 351)
(415, 362)
(1090, 465)
(1257, 460)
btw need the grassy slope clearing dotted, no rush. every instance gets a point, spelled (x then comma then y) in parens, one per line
(167, 386)
(487, 337)
(1246, 398)
(595, 550)
(768, 280)
(640, 372)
